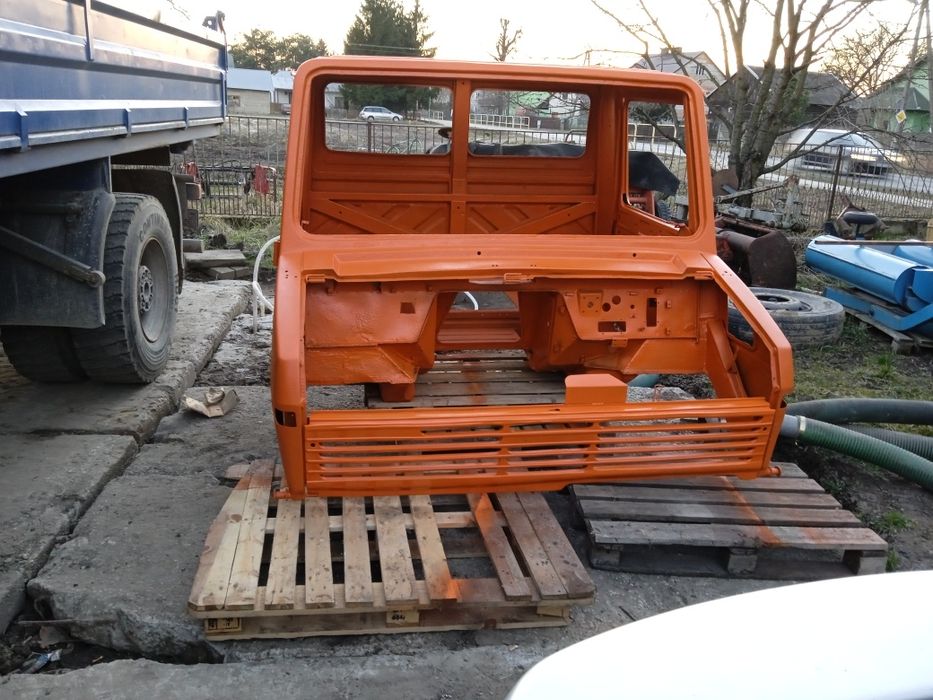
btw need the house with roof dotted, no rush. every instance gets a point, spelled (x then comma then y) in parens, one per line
(249, 91)
(826, 99)
(694, 64)
(909, 91)
(283, 84)
(253, 91)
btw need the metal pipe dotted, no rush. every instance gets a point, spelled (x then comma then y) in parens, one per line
(52, 259)
(876, 244)
(835, 185)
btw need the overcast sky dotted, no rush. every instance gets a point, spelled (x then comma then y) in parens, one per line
(468, 29)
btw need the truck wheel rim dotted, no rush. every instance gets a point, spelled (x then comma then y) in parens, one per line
(153, 290)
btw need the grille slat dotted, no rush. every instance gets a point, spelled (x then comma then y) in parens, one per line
(536, 443)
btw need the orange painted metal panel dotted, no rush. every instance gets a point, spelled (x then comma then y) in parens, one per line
(374, 248)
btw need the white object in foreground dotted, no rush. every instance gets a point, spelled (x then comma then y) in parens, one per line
(859, 637)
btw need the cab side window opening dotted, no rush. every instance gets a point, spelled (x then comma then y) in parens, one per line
(657, 161)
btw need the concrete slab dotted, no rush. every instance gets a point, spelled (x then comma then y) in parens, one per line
(189, 443)
(465, 673)
(126, 572)
(47, 480)
(205, 312)
(46, 483)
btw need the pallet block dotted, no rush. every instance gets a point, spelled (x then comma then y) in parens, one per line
(341, 566)
(786, 527)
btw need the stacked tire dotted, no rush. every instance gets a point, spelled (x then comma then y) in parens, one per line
(805, 319)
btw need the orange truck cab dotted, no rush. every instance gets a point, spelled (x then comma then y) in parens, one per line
(545, 190)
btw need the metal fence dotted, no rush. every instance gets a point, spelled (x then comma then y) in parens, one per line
(242, 170)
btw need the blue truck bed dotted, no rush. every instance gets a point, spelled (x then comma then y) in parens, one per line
(80, 81)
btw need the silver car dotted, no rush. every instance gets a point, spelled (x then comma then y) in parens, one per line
(860, 154)
(381, 113)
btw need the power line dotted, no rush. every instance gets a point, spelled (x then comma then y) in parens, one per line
(383, 46)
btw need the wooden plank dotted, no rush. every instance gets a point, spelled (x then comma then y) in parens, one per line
(440, 584)
(398, 573)
(478, 400)
(244, 578)
(559, 550)
(489, 376)
(530, 549)
(703, 513)
(319, 575)
(479, 364)
(214, 258)
(357, 572)
(723, 535)
(283, 561)
(445, 521)
(209, 590)
(360, 623)
(468, 388)
(473, 355)
(486, 592)
(235, 472)
(620, 493)
(503, 558)
(719, 482)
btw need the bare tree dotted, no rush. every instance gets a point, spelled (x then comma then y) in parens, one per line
(506, 44)
(759, 108)
(864, 60)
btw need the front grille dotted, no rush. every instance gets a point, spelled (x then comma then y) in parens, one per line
(531, 447)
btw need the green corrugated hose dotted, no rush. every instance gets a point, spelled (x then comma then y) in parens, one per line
(918, 444)
(900, 461)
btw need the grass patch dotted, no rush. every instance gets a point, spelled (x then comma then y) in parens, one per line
(890, 523)
(249, 236)
(893, 561)
(860, 363)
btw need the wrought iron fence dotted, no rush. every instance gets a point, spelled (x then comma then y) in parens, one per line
(243, 169)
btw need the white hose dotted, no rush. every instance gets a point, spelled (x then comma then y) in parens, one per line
(260, 303)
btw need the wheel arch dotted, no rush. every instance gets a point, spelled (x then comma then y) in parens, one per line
(162, 185)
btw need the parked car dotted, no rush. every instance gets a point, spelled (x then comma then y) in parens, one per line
(374, 113)
(861, 155)
(842, 639)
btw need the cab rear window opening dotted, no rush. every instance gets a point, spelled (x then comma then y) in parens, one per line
(529, 123)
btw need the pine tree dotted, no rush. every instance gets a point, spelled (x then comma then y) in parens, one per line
(384, 28)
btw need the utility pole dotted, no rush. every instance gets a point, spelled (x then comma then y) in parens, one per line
(914, 59)
(929, 70)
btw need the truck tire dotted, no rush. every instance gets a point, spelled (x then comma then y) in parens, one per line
(805, 319)
(132, 347)
(42, 353)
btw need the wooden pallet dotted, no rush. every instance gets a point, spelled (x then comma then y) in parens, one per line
(786, 527)
(341, 566)
(479, 379)
(902, 342)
